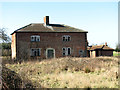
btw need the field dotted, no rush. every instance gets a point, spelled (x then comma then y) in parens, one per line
(116, 53)
(100, 72)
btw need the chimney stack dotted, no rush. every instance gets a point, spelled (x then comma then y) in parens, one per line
(46, 20)
(106, 44)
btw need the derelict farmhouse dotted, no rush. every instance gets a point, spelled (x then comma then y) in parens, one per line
(45, 40)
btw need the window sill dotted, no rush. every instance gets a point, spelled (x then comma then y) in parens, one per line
(34, 41)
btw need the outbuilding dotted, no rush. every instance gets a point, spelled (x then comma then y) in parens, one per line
(99, 50)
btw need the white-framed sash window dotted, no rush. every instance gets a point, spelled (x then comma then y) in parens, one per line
(66, 38)
(66, 51)
(35, 38)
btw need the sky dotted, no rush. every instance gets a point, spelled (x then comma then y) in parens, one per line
(100, 19)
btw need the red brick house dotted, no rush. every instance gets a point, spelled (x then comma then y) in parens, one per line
(45, 40)
(99, 50)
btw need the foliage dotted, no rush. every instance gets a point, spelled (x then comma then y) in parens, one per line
(87, 70)
(5, 42)
(11, 80)
(116, 53)
(3, 35)
(117, 49)
(6, 49)
(70, 72)
(5, 45)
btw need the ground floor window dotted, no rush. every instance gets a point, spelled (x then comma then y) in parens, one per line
(81, 52)
(66, 51)
(35, 51)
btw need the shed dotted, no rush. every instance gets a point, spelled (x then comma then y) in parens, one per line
(99, 50)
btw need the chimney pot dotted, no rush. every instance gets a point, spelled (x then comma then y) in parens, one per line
(106, 44)
(46, 20)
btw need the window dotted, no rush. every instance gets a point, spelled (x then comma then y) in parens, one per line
(35, 38)
(35, 51)
(66, 38)
(69, 51)
(81, 52)
(66, 51)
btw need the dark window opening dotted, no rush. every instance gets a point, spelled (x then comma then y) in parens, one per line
(69, 51)
(66, 38)
(35, 52)
(66, 51)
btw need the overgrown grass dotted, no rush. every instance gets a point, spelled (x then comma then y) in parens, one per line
(116, 53)
(100, 72)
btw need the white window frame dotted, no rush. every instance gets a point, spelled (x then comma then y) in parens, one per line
(50, 49)
(35, 49)
(66, 38)
(66, 51)
(35, 38)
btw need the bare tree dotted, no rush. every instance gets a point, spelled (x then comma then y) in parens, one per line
(3, 36)
(5, 42)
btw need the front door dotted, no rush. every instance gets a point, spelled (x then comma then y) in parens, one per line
(50, 53)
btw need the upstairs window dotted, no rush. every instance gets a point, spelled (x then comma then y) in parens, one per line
(35, 51)
(66, 51)
(35, 38)
(66, 38)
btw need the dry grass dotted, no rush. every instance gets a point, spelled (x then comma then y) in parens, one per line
(100, 72)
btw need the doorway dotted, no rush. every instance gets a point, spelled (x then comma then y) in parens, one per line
(50, 53)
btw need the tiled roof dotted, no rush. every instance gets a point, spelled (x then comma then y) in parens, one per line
(103, 47)
(41, 27)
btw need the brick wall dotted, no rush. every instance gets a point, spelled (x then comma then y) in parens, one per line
(107, 53)
(101, 53)
(50, 40)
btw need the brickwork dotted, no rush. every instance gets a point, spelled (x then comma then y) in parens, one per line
(107, 53)
(49, 40)
(100, 53)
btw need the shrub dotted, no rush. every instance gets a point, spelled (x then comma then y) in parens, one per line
(87, 70)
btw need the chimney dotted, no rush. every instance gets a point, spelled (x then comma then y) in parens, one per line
(46, 20)
(106, 44)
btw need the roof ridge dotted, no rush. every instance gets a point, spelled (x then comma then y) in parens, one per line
(39, 27)
(75, 28)
(36, 23)
(21, 28)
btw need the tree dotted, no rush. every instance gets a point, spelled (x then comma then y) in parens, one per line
(3, 36)
(117, 49)
(5, 42)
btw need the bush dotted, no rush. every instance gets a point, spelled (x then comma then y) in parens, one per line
(87, 70)
(6, 49)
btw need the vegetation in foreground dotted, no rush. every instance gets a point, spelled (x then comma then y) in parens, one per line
(100, 72)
